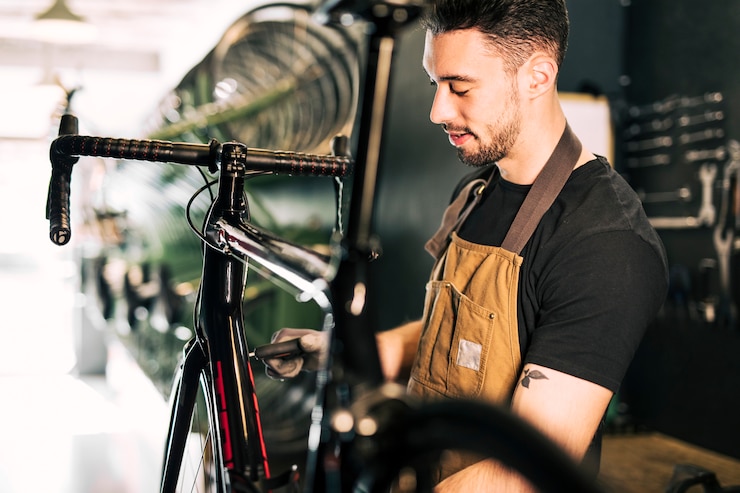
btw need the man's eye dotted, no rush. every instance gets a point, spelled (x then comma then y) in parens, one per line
(457, 92)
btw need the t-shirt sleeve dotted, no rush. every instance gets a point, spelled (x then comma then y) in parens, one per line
(596, 305)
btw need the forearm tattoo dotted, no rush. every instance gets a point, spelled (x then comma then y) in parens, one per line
(530, 375)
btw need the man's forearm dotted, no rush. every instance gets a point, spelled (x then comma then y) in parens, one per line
(486, 475)
(397, 348)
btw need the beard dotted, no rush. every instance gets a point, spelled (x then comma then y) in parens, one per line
(499, 136)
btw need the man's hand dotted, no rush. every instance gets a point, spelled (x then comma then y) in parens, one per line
(314, 345)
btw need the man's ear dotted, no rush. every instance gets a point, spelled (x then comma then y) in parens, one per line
(541, 72)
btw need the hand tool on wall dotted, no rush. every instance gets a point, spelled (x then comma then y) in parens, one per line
(707, 212)
(724, 234)
(682, 194)
(698, 155)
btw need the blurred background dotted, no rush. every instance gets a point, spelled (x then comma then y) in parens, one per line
(97, 427)
(92, 331)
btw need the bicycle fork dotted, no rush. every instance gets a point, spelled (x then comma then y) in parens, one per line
(182, 405)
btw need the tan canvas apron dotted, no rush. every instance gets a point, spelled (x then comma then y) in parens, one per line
(470, 338)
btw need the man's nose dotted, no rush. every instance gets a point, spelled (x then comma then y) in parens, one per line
(442, 110)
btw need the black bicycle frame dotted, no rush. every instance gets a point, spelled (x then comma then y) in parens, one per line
(223, 355)
(219, 353)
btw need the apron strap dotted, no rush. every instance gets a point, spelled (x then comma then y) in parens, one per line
(454, 215)
(545, 189)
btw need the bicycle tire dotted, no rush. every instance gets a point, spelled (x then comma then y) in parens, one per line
(417, 436)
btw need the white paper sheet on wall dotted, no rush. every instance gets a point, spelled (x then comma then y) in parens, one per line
(590, 118)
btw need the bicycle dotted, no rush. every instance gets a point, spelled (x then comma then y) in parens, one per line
(365, 434)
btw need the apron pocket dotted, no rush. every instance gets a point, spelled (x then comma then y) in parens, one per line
(455, 344)
(471, 344)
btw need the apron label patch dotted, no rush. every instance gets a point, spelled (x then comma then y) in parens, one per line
(468, 354)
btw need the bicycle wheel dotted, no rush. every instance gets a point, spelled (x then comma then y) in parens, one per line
(192, 461)
(406, 453)
(201, 465)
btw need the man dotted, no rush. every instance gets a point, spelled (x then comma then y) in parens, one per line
(542, 311)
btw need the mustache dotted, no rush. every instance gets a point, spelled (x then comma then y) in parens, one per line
(456, 130)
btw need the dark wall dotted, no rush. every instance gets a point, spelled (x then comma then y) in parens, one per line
(419, 171)
(684, 47)
(684, 379)
(595, 58)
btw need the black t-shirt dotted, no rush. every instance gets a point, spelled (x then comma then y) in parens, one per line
(594, 272)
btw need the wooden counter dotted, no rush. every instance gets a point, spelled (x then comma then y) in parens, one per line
(643, 463)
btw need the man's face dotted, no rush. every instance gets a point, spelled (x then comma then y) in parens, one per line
(477, 101)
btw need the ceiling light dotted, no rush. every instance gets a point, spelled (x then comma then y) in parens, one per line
(59, 24)
(59, 11)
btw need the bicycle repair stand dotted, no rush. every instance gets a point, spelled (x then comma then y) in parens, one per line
(330, 442)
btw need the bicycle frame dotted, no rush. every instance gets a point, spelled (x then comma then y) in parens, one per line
(220, 345)
(219, 351)
(232, 241)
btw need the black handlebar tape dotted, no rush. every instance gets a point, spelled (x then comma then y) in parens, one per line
(67, 148)
(57, 200)
(285, 349)
(285, 162)
(138, 150)
(57, 205)
(298, 163)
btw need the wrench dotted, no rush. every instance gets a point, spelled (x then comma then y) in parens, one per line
(724, 231)
(717, 154)
(649, 144)
(683, 194)
(700, 136)
(706, 117)
(643, 162)
(707, 212)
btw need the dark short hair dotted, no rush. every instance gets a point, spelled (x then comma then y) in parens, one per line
(516, 28)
